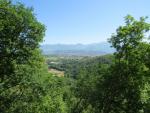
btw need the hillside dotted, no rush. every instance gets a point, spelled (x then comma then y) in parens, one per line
(94, 49)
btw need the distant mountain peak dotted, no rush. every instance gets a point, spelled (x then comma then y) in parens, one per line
(78, 49)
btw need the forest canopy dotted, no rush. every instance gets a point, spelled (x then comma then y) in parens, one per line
(118, 83)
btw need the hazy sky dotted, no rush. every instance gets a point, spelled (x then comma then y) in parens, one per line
(84, 21)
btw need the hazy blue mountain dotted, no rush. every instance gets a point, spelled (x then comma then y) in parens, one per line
(77, 49)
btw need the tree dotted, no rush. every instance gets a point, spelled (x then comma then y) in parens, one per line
(20, 34)
(25, 84)
(124, 84)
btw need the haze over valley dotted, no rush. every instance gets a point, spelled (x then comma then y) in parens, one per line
(94, 49)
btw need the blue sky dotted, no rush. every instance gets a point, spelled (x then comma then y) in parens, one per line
(84, 21)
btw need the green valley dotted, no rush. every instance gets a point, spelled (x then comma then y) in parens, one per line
(115, 81)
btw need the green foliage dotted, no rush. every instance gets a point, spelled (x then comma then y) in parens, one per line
(123, 85)
(20, 34)
(118, 83)
(129, 69)
(25, 85)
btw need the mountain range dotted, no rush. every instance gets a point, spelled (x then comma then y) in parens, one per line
(94, 49)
